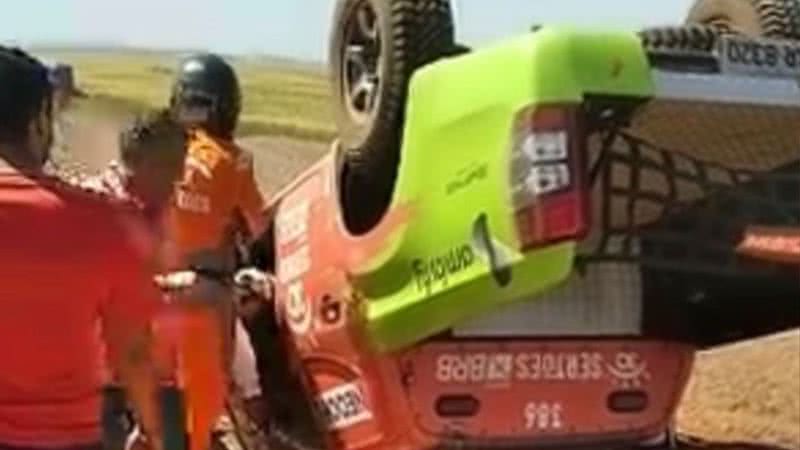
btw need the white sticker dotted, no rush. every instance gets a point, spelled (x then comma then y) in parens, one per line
(474, 368)
(525, 366)
(559, 366)
(628, 369)
(342, 407)
(292, 223)
(294, 265)
(298, 311)
(543, 416)
(192, 201)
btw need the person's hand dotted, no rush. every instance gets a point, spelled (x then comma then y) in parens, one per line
(176, 281)
(139, 441)
(253, 288)
(188, 287)
(251, 281)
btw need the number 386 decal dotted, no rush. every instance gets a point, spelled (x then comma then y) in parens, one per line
(342, 406)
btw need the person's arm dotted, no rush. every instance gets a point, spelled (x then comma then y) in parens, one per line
(127, 316)
(255, 287)
(250, 201)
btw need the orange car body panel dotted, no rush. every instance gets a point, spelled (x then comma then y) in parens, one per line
(528, 391)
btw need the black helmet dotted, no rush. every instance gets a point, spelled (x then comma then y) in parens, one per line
(206, 94)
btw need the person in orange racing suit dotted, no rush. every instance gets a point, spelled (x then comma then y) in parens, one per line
(216, 201)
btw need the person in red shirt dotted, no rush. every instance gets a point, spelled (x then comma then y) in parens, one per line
(76, 287)
(152, 150)
(152, 154)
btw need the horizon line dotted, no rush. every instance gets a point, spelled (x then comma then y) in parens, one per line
(83, 46)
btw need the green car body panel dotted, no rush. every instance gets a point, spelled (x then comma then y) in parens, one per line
(456, 150)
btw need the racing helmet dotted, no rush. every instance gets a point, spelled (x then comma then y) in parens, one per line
(206, 94)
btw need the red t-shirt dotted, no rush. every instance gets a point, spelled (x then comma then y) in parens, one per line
(68, 261)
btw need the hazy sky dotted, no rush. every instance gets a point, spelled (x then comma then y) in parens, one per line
(294, 28)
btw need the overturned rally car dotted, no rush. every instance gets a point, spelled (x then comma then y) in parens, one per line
(525, 244)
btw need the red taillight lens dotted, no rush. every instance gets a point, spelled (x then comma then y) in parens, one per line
(548, 176)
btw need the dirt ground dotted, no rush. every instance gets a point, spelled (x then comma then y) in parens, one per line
(748, 392)
(92, 140)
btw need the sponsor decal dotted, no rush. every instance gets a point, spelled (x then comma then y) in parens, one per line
(466, 177)
(331, 311)
(541, 416)
(298, 310)
(342, 407)
(755, 54)
(759, 57)
(628, 370)
(292, 223)
(192, 201)
(434, 273)
(295, 265)
(625, 369)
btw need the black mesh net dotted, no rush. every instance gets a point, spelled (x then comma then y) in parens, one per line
(678, 195)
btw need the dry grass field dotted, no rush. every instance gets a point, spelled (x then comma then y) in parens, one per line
(280, 97)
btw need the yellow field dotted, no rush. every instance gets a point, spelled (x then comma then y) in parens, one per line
(279, 98)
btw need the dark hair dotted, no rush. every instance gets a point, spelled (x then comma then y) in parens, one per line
(150, 132)
(25, 91)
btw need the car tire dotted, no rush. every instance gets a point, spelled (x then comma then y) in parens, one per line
(370, 74)
(776, 19)
(680, 39)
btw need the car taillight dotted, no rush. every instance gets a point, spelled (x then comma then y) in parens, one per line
(548, 176)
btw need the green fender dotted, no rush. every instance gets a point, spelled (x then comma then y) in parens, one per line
(454, 170)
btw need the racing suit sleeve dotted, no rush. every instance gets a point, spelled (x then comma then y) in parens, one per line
(127, 315)
(250, 201)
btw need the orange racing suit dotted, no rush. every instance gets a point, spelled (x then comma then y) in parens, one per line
(217, 192)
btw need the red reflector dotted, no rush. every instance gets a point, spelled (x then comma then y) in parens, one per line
(557, 217)
(564, 216)
(627, 401)
(548, 118)
(457, 406)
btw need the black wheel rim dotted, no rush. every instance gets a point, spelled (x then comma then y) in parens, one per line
(362, 62)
